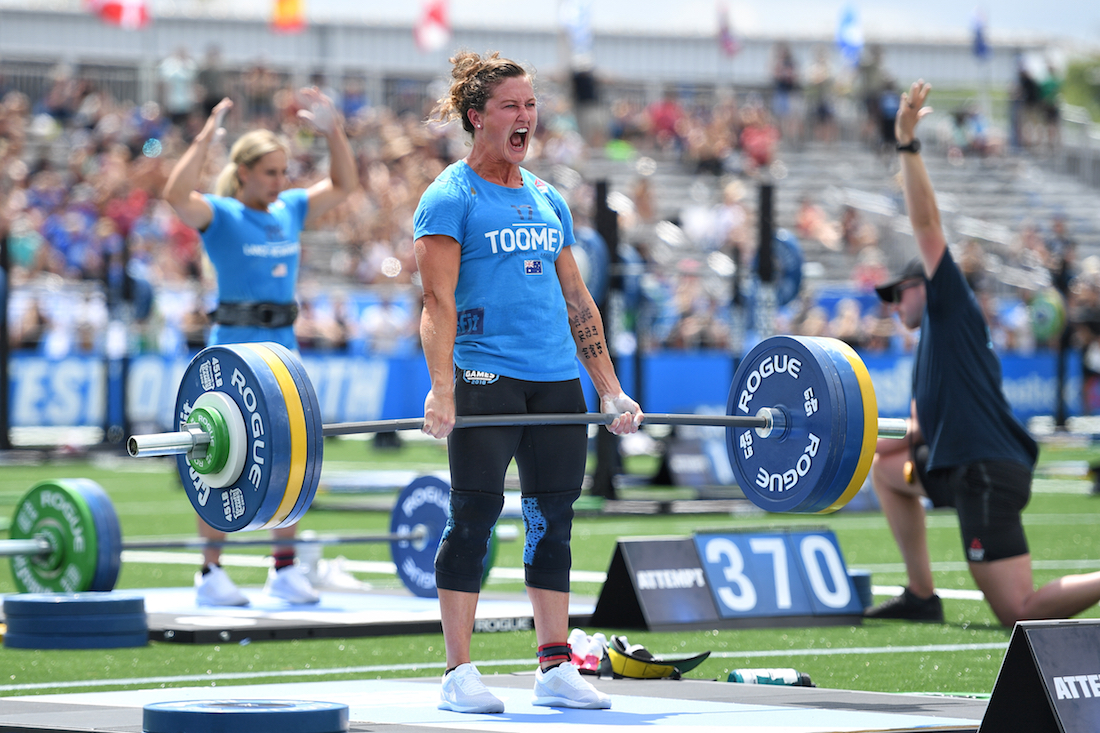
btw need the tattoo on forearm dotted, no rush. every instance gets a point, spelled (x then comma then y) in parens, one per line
(583, 316)
(593, 350)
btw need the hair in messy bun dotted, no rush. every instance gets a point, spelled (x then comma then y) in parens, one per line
(474, 78)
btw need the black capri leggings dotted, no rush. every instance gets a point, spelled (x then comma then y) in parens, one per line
(550, 459)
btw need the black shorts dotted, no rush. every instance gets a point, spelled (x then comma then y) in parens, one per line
(550, 458)
(988, 496)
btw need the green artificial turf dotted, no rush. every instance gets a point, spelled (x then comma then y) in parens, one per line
(962, 656)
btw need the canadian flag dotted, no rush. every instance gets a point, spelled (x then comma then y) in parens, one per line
(288, 16)
(129, 14)
(432, 30)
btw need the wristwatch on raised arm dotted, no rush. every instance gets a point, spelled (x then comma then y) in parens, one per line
(913, 146)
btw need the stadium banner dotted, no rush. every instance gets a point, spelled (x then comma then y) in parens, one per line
(72, 391)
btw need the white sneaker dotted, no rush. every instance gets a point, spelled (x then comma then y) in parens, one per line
(331, 575)
(563, 687)
(214, 588)
(464, 692)
(291, 585)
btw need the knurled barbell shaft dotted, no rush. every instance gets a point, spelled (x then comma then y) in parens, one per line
(42, 546)
(164, 444)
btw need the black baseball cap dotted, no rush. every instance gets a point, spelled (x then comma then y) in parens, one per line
(913, 269)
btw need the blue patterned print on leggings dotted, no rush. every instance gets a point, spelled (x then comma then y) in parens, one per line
(535, 527)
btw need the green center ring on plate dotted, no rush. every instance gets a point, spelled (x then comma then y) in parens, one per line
(212, 423)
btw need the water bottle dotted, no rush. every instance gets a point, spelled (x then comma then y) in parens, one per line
(782, 676)
(578, 646)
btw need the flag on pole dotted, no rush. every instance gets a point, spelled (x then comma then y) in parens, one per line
(575, 16)
(980, 45)
(289, 16)
(433, 29)
(726, 39)
(128, 14)
(849, 36)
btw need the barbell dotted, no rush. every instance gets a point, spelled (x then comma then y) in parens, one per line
(801, 425)
(66, 537)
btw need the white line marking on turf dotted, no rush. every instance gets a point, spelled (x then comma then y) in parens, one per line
(253, 675)
(152, 557)
(358, 566)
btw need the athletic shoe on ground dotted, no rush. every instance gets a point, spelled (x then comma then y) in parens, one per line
(909, 607)
(291, 585)
(331, 575)
(563, 687)
(464, 692)
(216, 589)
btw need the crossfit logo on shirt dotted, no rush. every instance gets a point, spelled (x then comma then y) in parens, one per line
(471, 322)
(532, 267)
(472, 376)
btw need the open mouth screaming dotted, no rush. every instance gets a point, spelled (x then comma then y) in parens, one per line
(518, 140)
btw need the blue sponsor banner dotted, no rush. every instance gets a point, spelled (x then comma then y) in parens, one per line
(73, 391)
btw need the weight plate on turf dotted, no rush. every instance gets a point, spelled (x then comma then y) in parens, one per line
(58, 511)
(423, 504)
(245, 716)
(315, 435)
(94, 640)
(849, 442)
(252, 500)
(296, 421)
(869, 427)
(787, 255)
(1048, 314)
(108, 533)
(72, 604)
(780, 473)
(82, 624)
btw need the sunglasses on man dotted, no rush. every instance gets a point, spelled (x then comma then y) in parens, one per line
(903, 286)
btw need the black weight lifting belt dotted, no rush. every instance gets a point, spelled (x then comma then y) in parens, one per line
(253, 313)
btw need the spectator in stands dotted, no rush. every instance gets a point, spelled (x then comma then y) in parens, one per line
(868, 89)
(759, 138)
(1025, 104)
(813, 225)
(211, 79)
(178, 73)
(820, 102)
(250, 229)
(1050, 102)
(1083, 308)
(386, 326)
(847, 323)
(665, 117)
(972, 262)
(965, 446)
(785, 87)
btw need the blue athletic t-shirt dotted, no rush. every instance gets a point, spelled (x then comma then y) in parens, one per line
(512, 318)
(256, 256)
(961, 405)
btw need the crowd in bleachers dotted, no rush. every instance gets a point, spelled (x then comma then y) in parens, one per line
(91, 242)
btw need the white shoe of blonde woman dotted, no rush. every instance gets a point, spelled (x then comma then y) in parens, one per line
(291, 585)
(214, 588)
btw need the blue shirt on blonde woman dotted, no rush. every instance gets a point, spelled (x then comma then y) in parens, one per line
(510, 238)
(256, 255)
